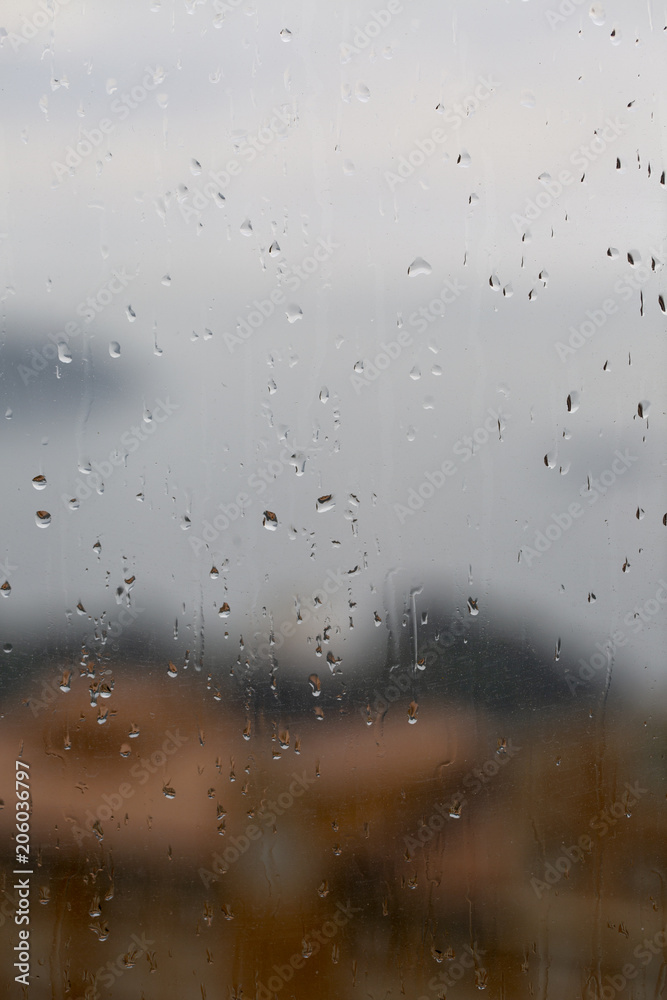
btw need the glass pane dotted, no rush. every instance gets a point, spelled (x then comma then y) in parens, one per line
(333, 553)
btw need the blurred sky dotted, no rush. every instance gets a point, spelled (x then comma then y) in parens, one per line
(219, 79)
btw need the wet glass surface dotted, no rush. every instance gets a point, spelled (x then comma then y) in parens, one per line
(332, 567)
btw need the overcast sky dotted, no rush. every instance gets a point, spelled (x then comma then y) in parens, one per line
(318, 147)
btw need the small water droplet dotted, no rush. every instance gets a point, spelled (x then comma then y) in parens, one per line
(293, 312)
(42, 518)
(39, 482)
(114, 349)
(597, 14)
(270, 521)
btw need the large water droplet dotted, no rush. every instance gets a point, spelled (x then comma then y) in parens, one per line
(419, 266)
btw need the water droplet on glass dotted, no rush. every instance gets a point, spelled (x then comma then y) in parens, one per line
(325, 503)
(419, 266)
(270, 521)
(42, 518)
(293, 312)
(39, 482)
(5, 589)
(114, 349)
(597, 14)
